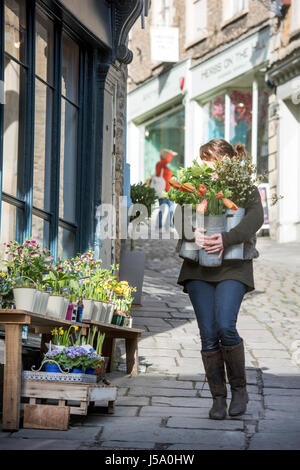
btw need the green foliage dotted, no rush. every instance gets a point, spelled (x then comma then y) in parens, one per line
(142, 194)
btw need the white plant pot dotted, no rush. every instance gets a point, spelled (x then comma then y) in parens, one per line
(65, 308)
(97, 310)
(56, 306)
(25, 298)
(37, 302)
(44, 302)
(109, 313)
(55, 347)
(88, 307)
(103, 312)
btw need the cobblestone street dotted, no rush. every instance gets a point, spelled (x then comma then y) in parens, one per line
(166, 406)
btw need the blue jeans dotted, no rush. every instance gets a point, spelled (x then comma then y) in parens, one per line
(165, 205)
(216, 307)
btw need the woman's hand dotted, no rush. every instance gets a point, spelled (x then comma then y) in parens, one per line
(199, 236)
(213, 244)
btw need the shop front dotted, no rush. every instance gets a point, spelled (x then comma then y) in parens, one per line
(61, 68)
(157, 120)
(286, 77)
(230, 98)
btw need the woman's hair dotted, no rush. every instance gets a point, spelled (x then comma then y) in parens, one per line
(218, 148)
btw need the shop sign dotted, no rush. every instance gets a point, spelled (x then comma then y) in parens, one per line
(232, 62)
(164, 44)
(157, 91)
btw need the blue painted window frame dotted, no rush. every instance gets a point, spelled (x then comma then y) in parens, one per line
(25, 202)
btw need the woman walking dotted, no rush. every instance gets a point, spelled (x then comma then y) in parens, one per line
(216, 294)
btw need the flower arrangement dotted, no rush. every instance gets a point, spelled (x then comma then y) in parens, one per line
(239, 177)
(200, 187)
(27, 263)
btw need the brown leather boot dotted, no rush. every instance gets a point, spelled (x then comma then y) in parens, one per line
(215, 372)
(234, 357)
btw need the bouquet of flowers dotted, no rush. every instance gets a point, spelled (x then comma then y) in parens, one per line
(200, 187)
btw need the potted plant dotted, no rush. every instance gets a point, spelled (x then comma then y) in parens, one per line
(58, 279)
(5, 290)
(26, 265)
(132, 263)
(206, 197)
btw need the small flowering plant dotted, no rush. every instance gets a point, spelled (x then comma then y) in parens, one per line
(77, 356)
(5, 285)
(200, 187)
(61, 337)
(26, 263)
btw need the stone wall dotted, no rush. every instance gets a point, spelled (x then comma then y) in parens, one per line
(219, 35)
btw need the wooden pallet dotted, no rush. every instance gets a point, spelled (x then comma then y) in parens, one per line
(37, 415)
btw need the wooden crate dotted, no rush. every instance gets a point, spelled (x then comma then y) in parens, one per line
(84, 394)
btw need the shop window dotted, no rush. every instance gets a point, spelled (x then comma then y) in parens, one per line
(232, 8)
(216, 118)
(196, 20)
(69, 127)
(15, 86)
(66, 243)
(168, 132)
(162, 12)
(35, 202)
(262, 132)
(43, 113)
(241, 118)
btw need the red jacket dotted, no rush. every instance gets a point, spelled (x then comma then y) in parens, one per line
(167, 173)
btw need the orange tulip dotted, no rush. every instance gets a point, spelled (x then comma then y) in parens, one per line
(219, 195)
(228, 203)
(202, 190)
(202, 207)
(188, 188)
(174, 183)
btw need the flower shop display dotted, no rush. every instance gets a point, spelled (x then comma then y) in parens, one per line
(76, 289)
(204, 198)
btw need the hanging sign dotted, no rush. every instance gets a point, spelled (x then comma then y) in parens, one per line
(164, 44)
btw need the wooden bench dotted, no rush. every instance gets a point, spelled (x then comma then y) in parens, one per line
(14, 320)
(112, 332)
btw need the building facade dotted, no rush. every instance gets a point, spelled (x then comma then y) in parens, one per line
(206, 77)
(284, 126)
(63, 73)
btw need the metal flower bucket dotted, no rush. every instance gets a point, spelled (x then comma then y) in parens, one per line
(233, 218)
(189, 250)
(213, 224)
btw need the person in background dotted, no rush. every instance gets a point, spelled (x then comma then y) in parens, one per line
(166, 156)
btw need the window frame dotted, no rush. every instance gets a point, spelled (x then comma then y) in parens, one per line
(233, 16)
(188, 13)
(25, 201)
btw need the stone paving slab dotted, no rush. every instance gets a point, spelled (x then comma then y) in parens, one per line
(204, 423)
(166, 392)
(40, 444)
(275, 441)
